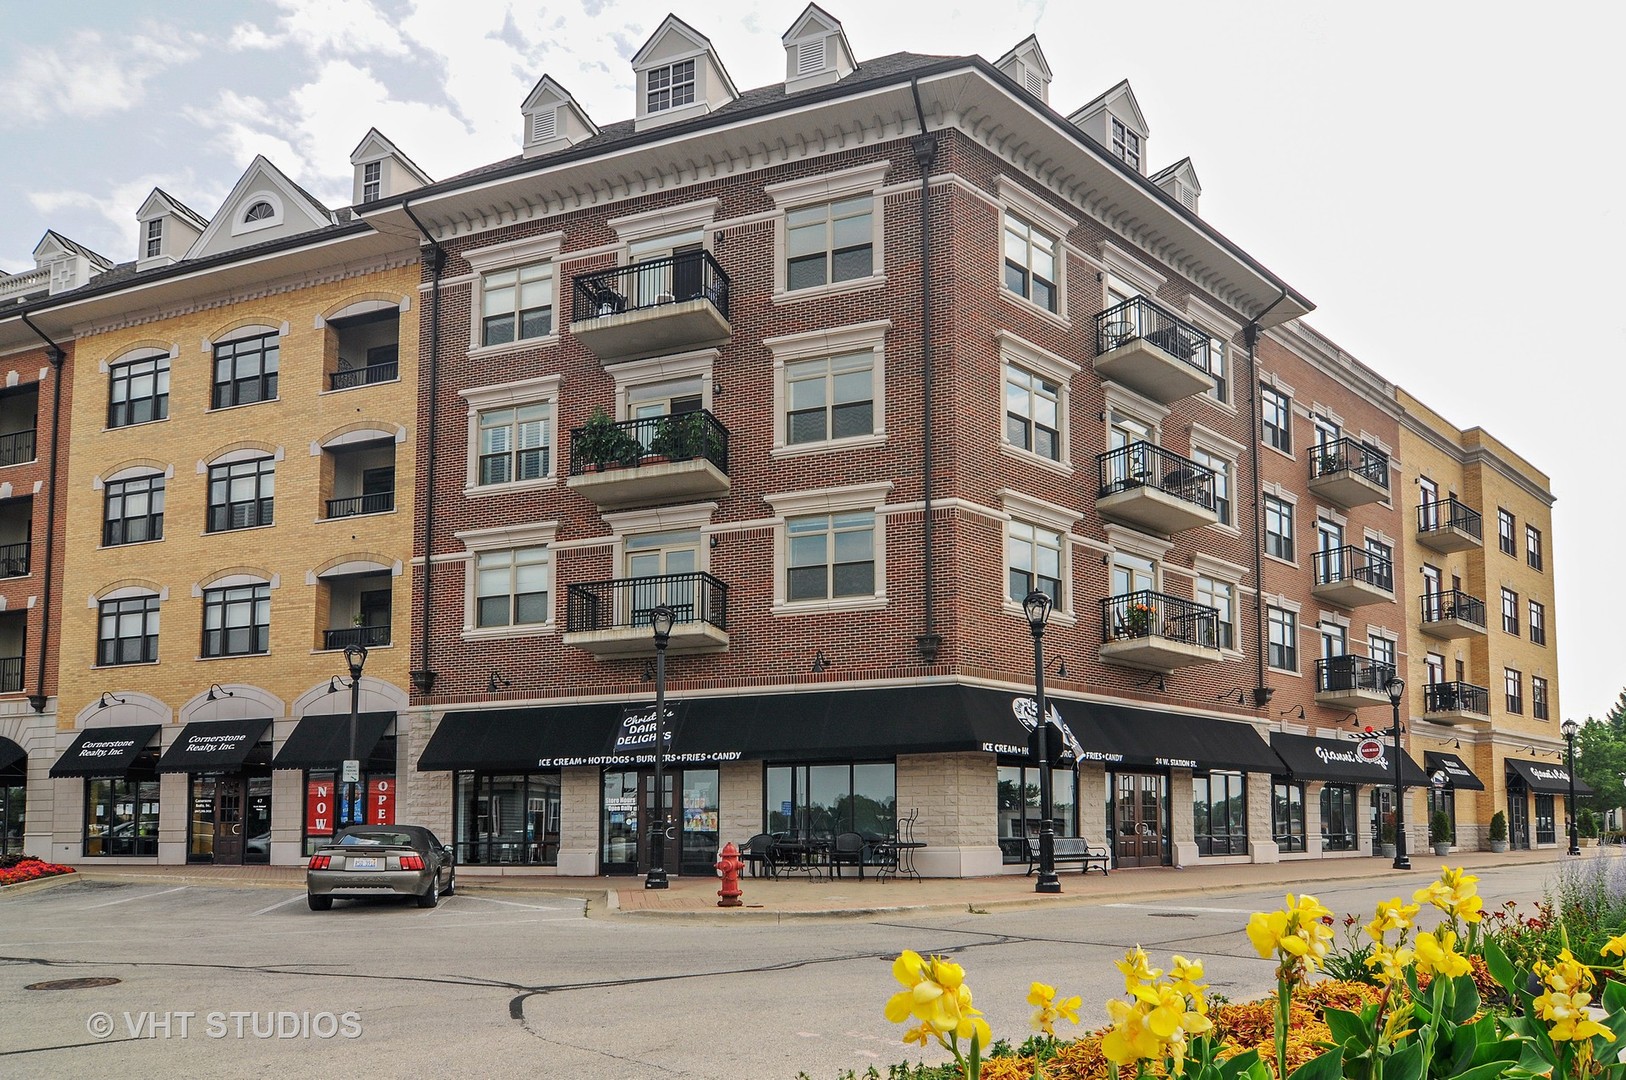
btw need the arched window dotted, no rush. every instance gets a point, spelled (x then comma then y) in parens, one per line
(260, 211)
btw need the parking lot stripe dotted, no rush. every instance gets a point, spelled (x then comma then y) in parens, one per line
(127, 899)
(515, 903)
(273, 907)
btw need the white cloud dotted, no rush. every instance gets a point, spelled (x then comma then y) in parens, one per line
(87, 76)
(322, 27)
(105, 220)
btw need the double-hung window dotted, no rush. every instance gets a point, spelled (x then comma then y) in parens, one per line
(1538, 697)
(241, 494)
(138, 391)
(1279, 527)
(670, 86)
(1218, 367)
(830, 398)
(830, 556)
(127, 630)
(514, 443)
(511, 586)
(1277, 412)
(829, 242)
(237, 620)
(246, 370)
(1032, 412)
(1538, 622)
(1532, 547)
(133, 510)
(1220, 595)
(1221, 487)
(1510, 611)
(1514, 683)
(1033, 555)
(1504, 532)
(371, 180)
(516, 304)
(1381, 650)
(1125, 144)
(155, 238)
(1030, 262)
(1284, 632)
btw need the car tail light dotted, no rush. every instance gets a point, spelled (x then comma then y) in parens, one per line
(320, 862)
(411, 862)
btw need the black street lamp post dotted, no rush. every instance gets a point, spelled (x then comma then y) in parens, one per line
(1570, 729)
(1037, 609)
(355, 655)
(1397, 690)
(660, 621)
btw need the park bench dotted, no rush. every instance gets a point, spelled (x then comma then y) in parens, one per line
(1072, 849)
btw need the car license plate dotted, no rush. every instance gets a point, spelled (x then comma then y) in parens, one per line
(366, 864)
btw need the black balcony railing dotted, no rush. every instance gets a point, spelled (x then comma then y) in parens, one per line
(1350, 563)
(14, 560)
(690, 275)
(369, 636)
(1351, 672)
(377, 503)
(1139, 317)
(1142, 464)
(1349, 455)
(678, 437)
(11, 674)
(1455, 697)
(1448, 514)
(17, 447)
(628, 602)
(1148, 614)
(1452, 604)
(362, 376)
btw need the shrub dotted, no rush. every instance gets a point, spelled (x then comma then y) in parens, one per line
(1498, 826)
(1439, 828)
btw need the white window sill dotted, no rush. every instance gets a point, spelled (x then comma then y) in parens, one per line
(243, 529)
(480, 491)
(835, 288)
(831, 446)
(820, 607)
(1228, 530)
(1043, 312)
(1225, 407)
(1285, 671)
(239, 405)
(1063, 467)
(480, 352)
(482, 633)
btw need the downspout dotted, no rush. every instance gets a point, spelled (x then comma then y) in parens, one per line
(38, 698)
(423, 676)
(928, 641)
(1250, 338)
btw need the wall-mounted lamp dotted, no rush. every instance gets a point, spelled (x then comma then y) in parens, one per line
(1239, 693)
(496, 682)
(1296, 708)
(1061, 669)
(216, 692)
(104, 701)
(333, 684)
(820, 662)
(1457, 743)
(1162, 687)
(648, 674)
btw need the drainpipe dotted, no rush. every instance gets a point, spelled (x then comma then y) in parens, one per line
(38, 698)
(928, 641)
(1250, 337)
(423, 676)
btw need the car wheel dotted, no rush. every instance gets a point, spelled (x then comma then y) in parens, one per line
(319, 903)
(430, 896)
(451, 883)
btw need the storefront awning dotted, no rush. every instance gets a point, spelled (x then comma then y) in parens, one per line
(10, 753)
(1457, 774)
(214, 745)
(323, 742)
(832, 725)
(107, 751)
(1546, 779)
(1338, 761)
(1116, 734)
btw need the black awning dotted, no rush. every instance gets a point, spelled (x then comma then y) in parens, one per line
(107, 751)
(1117, 734)
(1338, 761)
(1546, 779)
(213, 745)
(323, 742)
(1457, 774)
(10, 753)
(834, 725)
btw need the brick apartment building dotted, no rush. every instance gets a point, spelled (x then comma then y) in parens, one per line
(839, 370)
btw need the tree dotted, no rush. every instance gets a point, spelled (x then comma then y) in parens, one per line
(1600, 755)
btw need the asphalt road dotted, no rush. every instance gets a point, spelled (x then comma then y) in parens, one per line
(526, 985)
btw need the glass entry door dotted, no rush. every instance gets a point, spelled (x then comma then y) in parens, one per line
(1518, 818)
(1138, 818)
(663, 566)
(228, 823)
(630, 818)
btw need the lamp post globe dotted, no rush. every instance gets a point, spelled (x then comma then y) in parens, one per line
(1036, 607)
(1396, 689)
(660, 624)
(1570, 729)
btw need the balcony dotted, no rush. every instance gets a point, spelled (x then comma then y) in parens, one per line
(368, 636)
(1349, 472)
(345, 378)
(1152, 351)
(1456, 703)
(1448, 526)
(1352, 682)
(360, 475)
(380, 502)
(653, 459)
(11, 674)
(668, 305)
(1352, 577)
(359, 607)
(1154, 632)
(1452, 614)
(14, 559)
(1147, 487)
(364, 347)
(612, 618)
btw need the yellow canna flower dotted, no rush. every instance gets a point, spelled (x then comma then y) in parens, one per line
(935, 995)
(1567, 1015)
(1186, 974)
(1456, 894)
(922, 1035)
(1567, 975)
(1615, 945)
(1391, 915)
(1049, 1009)
(1130, 1038)
(1265, 930)
(1389, 965)
(1137, 969)
(1437, 953)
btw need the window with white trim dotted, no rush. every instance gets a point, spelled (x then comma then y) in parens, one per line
(1219, 356)
(830, 556)
(1381, 649)
(1125, 144)
(511, 586)
(1279, 527)
(127, 630)
(1030, 262)
(516, 304)
(1032, 412)
(515, 443)
(670, 86)
(372, 177)
(260, 211)
(1277, 417)
(1221, 468)
(1284, 632)
(829, 242)
(1220, 595)
(155, 238)
(830, 398)
(1033, 556)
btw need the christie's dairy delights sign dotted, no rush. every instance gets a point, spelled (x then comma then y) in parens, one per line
(1328, 755)
(1026, 711)
(637, 730)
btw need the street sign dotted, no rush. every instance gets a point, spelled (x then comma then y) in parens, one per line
(352, 772)
(1370, 750)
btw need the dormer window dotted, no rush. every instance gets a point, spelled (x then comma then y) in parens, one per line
(671, 86)
(260, 211)
(155, 238)
(372, 176)
(1125, 144)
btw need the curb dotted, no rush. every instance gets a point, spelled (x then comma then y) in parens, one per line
(22, 888)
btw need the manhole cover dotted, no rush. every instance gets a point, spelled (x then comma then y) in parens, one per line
(1171, 915)
(73, 984)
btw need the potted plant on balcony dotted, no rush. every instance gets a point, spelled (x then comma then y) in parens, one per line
(605, 444)
(1439, 833)
(1138, 619)
(1328, 461)
(675, 438)
(1498, 832)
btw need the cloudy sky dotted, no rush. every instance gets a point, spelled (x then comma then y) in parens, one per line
(1438, 177)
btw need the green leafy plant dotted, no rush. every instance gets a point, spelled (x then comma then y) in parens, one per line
(601, 441)
(684, 436)
(1439, 828)
(1498, 826)
(1587, 822)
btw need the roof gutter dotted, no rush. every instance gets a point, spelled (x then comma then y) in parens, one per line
(928, 641)
(38, 698)
(1250, 337)
(423, 675)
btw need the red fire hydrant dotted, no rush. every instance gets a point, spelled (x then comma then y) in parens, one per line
(730, 866)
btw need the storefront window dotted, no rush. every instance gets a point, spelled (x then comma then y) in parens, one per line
(1443, 799)
(1338, 817)
(13, 799)
(121, 816)
(700, 813)
(1019, 814)
(330, 805)
(824, 800)
(1545, 832)
(1219, 813)
(507, 818)
(1287, 815)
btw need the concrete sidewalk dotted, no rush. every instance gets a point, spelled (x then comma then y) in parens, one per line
(696, 897)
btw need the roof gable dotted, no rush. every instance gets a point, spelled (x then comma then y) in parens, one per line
(1027, 50)
(376, 146)
(1181, 170)
(263, 205)
(161, 202)
(54, 243)
(676, 38)
(1120, 102)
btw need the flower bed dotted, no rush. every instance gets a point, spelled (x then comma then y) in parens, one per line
(28, 868)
